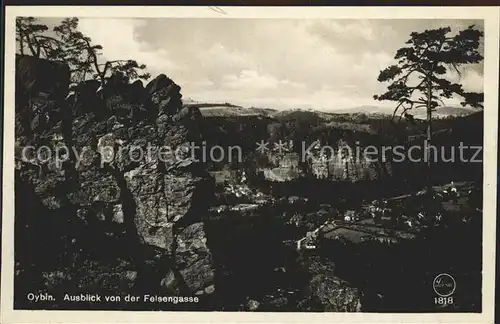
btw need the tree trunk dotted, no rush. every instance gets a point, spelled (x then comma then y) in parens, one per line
(21, 44)
(430, 194)
(428, 141)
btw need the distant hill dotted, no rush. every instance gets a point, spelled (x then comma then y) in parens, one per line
(296, 114)
(365, 110)
(374, 112)
(441, 112)
(226, 110)
(447, 111)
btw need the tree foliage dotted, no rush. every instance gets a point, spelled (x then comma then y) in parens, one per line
(419, 79)
(71, 46)
(28, 35)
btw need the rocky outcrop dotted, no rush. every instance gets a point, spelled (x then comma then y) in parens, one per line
(41, 77)
(39, 85)
(165, 94)
(129, 173)
(326, 292)
(84, 99)
(335, 295)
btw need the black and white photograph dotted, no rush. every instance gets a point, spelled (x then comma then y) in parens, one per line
(265, 165)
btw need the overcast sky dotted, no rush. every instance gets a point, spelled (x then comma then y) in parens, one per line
(320, 64)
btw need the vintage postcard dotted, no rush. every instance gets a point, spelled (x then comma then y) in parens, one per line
(249, 164)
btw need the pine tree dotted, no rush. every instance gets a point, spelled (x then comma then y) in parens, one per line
(419, 79)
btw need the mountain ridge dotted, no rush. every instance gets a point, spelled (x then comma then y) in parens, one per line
(230, 110)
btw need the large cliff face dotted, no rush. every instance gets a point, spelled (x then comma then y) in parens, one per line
(152, 206)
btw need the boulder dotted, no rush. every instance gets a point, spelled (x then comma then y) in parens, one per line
(169, 283)
(41, 77)
(41, 86)
(192, 246)
(334, 295)
(137, 91)
(252, 305)
(165, 94)
(86, 99)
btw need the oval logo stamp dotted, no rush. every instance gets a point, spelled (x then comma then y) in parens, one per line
(444, 285)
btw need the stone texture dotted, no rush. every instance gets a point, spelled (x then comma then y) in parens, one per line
(118, 213)
(163, 201)
(192, 246)
(41, 77)
(252, 305)
(169, 282)
(165, 94)
(335, 295)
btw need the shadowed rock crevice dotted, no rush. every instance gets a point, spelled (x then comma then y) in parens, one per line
(128, 205)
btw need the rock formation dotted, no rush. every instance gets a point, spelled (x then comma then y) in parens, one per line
(115, 182)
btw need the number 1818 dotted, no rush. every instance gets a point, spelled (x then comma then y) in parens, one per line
(443, 300)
